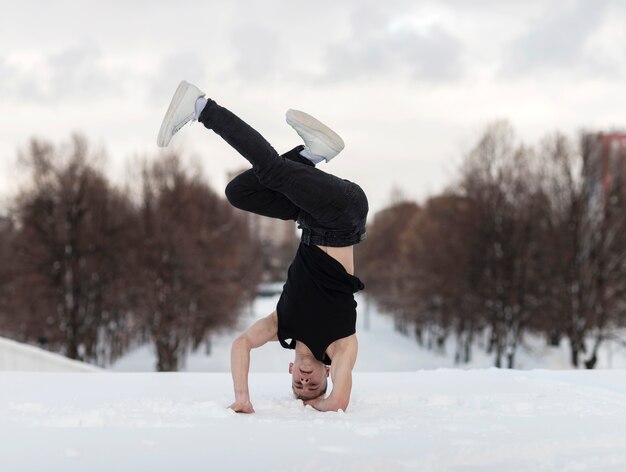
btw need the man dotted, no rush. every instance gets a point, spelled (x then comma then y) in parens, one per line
(316, 313)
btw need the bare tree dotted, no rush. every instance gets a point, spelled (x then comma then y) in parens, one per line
(500, 180)
(70, 253)
(563, 299)
(383, 264)
(198, 263)
(443, 255)
(7, 235)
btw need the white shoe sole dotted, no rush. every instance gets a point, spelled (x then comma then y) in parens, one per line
(301, 121)
(166, 132)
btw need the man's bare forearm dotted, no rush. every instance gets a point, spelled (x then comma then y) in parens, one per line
(239, 367)
(341, 374)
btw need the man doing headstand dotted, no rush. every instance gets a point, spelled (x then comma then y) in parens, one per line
(316, 312)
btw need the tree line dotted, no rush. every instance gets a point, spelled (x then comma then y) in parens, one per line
(526, 240)
(91, 270)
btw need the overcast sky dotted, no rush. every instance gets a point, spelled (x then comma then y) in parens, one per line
(409, 85)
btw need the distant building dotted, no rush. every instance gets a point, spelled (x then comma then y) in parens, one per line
(604, 159)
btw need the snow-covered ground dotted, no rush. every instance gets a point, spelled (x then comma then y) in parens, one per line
(22, 357)
(406, 413)
(431, 420)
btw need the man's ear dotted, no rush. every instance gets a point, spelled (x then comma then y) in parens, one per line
(290, 367)
(327, 371)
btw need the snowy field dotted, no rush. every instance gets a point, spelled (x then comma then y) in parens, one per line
(406, 413)
(431, 420)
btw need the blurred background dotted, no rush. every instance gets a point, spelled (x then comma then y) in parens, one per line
(489, 136)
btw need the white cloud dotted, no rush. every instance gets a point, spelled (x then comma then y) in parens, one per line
(172, 68)
(258, 52)
(75, 73)
(556, 39)
(380, 46)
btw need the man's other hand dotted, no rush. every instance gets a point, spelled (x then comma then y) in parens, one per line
(244, 406)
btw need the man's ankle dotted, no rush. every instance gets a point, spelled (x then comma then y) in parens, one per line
(200, 104)
(314, 158)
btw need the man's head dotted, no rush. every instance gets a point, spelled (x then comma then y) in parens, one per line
(309, 378)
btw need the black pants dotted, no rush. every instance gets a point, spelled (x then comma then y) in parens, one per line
(330, 211)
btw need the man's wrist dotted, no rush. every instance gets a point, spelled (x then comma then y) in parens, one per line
(327, 404)
(317, 403)
(242, 395)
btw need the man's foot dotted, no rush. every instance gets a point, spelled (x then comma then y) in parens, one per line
(318, 138)
(181, 111)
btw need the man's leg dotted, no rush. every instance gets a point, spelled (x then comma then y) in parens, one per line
(247, 193)
(320, 194)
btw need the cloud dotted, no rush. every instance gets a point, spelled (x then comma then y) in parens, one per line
(75, 73)
(10, 78)
(79, 73)
(358, 41)
(379, 46)
(557, 39)
(257, 52)
(175, 67)
(5, 73)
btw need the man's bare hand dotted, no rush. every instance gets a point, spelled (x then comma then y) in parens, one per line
(242, 406)
(320, 404)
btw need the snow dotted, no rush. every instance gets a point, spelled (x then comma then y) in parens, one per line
(406, 413)
(22, 357)
(428, 420)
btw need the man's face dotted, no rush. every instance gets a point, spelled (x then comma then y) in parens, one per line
(308, 378)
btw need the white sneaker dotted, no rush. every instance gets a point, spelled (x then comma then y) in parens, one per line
(181, 111)
(318, 138)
